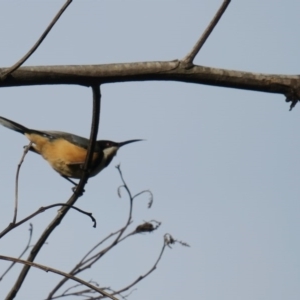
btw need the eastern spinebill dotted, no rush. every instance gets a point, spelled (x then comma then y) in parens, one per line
(66, 152)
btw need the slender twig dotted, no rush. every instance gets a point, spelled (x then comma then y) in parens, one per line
(77, 285)
(49, 269)
(145, 275)
(11, 226)
(91, 260)
(129, 194)
(73, 271)
(87, 261)
(119, 237)
(26, 149)
(37, 44)
(150, 199)
(78, 192)
(84, 293)
(168, 240)
(23, 252)
(93, 136)
(190, 56)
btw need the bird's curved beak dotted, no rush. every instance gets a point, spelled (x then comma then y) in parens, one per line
(127, 142)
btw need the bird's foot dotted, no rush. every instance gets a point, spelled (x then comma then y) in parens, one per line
(74, 191)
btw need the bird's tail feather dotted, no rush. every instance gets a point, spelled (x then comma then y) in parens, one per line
(14, 126)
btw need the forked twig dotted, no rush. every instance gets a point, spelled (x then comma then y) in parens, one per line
(11, 226)
(36, 45)
(188, 59)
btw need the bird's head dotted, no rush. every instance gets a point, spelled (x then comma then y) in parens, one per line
(110, 148)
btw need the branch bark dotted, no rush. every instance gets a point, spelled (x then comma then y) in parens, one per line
(288, 85)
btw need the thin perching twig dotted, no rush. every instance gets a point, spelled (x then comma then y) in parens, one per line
(36, 45)
(188, 59)
(26, 149)
(48, 269)
(77, 193)
(93, 137)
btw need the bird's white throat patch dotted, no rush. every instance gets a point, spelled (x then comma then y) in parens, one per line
(109, 152)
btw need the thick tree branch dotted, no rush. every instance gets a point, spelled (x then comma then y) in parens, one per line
(288, 85)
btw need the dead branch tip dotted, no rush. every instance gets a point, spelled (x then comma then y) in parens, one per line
(148, 226)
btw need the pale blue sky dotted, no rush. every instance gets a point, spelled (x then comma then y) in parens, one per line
(223, 164)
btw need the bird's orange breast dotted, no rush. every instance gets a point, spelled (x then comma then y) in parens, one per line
(64, 157)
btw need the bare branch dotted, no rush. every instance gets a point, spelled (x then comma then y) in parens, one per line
(73, 287)
(77, 193)
(84, 293)
(78, 266)
(36, 45)
(191, 56)
(88, 260)
(48, 269)
(26, 149)
(168, 240)
(23, 252)
(11, 226)
(146, 274)
(131, 198)
(288, 85)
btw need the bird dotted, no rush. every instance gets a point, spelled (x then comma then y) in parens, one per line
(66, 152)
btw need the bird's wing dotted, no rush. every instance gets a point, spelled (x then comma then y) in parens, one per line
(72, 138)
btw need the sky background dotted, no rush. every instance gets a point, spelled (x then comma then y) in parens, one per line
(223, 164)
